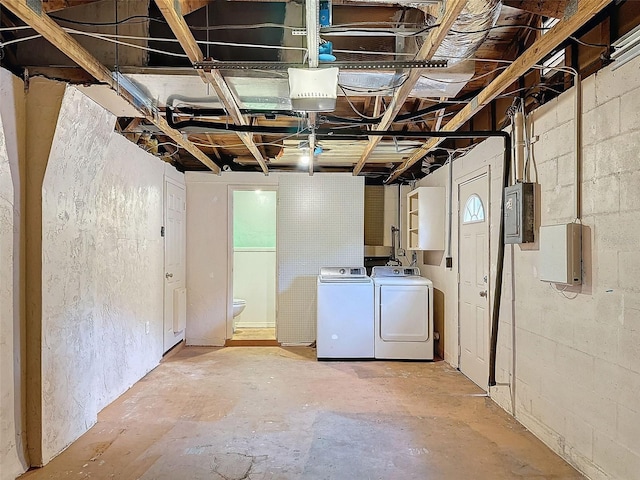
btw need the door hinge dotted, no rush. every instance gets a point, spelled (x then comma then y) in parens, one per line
(162, 231)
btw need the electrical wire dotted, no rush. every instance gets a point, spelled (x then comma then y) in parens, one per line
(353, 107)
(106, 36)
(238, 145)
(143, 18)
(396, 33)
(8, 29)
(464, 81)
(370, 52)
(375, 90)
(18, 40)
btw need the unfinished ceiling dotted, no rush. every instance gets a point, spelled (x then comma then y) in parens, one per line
(204, 84)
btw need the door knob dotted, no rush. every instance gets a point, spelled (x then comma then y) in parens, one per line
(483, 293)
(168, 275)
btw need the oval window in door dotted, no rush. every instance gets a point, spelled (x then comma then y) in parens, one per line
(473, 210)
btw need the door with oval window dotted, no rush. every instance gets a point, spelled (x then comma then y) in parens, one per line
(473, 295)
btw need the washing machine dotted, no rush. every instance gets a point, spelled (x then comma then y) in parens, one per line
(403, 314)
(345, 313)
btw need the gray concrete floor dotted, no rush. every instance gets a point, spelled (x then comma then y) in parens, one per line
(276, 413)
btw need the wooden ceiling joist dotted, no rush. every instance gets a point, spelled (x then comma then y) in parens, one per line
(49, 6)
(52, 32)
(189, 6)
(214, 77)
(546, 8)
(587, 9)
(426, 52)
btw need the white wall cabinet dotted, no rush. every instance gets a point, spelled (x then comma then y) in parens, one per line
(425, 218)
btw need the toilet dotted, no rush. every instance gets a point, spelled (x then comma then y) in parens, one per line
(238, 306)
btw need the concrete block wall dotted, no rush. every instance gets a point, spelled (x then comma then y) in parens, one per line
(12, 441)
(575, 381)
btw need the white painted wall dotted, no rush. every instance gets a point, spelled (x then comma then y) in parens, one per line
(577, 362)
(320, 223)
(254, 280)
(12, 106)
(208, 308)
(102, 265)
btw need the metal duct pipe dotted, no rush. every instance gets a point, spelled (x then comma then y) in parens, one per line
(469, 30)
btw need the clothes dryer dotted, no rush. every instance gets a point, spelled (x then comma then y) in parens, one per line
(403, 314)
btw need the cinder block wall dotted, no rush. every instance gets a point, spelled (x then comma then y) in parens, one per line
(577, 352)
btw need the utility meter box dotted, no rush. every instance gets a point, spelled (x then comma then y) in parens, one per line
(561, 254)
(519, 213)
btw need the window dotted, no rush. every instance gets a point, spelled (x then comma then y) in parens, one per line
(473, 210)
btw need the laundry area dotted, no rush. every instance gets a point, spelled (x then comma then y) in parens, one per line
(276, 413)
(350, 239)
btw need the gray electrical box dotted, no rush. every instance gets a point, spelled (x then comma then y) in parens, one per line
(519, 213)
(560, 259)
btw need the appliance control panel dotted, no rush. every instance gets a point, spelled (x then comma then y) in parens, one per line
(395, 271)
(343, 272)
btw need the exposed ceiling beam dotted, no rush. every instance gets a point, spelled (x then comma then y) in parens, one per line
(52, 32)
(55, 5)
(547, 8)
(538, 50)
(214, 77)
(426, 52)
(188, 6)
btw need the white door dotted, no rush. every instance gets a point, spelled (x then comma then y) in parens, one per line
(174, 264)
(474, 279)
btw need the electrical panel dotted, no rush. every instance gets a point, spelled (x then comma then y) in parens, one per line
(519, 213)
(561, 254)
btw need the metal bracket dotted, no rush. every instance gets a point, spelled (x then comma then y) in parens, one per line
(391, 65)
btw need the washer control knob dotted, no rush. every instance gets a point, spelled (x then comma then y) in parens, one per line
(342, 271)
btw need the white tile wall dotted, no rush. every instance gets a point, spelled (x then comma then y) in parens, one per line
(320, 223)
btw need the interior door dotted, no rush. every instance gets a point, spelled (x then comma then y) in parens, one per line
(474, 279)
(175, 297)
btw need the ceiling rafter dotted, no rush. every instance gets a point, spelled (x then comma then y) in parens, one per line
(52, 32)
(587, 9)
(546, 8)
(426, 52)
(49, 6)
(214, 77)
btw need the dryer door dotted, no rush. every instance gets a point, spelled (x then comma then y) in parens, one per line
(404, 313)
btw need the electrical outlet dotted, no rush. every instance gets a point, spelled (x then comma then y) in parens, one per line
(146, 327)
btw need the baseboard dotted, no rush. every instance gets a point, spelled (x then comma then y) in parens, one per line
(254, 325)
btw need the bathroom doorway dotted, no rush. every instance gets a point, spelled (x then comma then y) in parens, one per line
(253, 263)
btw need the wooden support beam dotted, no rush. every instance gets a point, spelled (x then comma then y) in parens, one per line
(214, 77)
(55, 5)
(51, 31)
(538, 50)
(546, 8)
(189, 6)
(428, 49)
